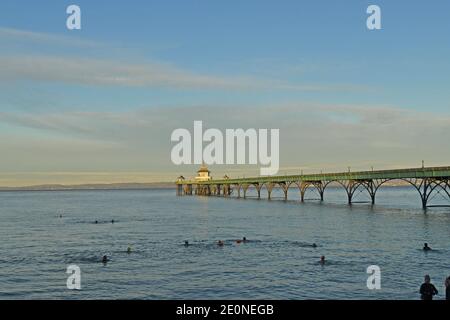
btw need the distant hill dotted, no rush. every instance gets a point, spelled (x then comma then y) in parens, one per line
(133, 185)
(110, 186)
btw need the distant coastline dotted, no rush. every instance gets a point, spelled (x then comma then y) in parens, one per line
(99, 186)
(132, 186)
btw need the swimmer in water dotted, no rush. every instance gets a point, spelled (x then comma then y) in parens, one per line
(322, 260)
(314, 245)
(129, 250)
(112, 221)
(105, 259)
(244, 239)
(426, 247)
(220, 243)
(96, 221)
(186, 243)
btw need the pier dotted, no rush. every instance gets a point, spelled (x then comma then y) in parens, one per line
(426, 180)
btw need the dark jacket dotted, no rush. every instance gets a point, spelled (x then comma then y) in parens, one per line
(427, 291)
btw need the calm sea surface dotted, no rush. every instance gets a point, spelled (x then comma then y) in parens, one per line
(278, 262)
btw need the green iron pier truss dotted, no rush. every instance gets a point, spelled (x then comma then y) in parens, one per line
(426, 180)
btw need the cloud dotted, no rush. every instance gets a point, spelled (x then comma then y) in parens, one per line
(86, 71)
(355, 128)
(44, 38)
(107, 72)
(313, 137)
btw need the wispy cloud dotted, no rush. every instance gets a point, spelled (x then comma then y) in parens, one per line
(18, 35)
(87, 71)
(115, 73)
(310, 126)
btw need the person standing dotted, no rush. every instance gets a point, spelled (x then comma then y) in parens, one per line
(447, 288)
(427, 289)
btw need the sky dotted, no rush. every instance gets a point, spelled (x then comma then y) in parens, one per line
(98, 105)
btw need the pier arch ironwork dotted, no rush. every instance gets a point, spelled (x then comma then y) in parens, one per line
(429, 182)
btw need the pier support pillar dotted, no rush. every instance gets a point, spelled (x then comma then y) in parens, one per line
(285, 187)
(427, 186)
(350, 187)
(258, 189)
(244, 188)
(227, 190)
(371, 188)
(269, 187)
(303, 186)
(319, 185)
(179, 189)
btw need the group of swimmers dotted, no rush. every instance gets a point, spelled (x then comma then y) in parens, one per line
(427, 289)
(105, 258)
(221, 243)
(112, 221)
(96, 221)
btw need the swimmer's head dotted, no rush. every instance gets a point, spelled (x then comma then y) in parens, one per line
(427, 278)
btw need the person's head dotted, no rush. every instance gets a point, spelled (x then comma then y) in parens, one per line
(314, 245)
(425, 245)
(244, 238)
(322, 258)
(186, 242)
(427, 278)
